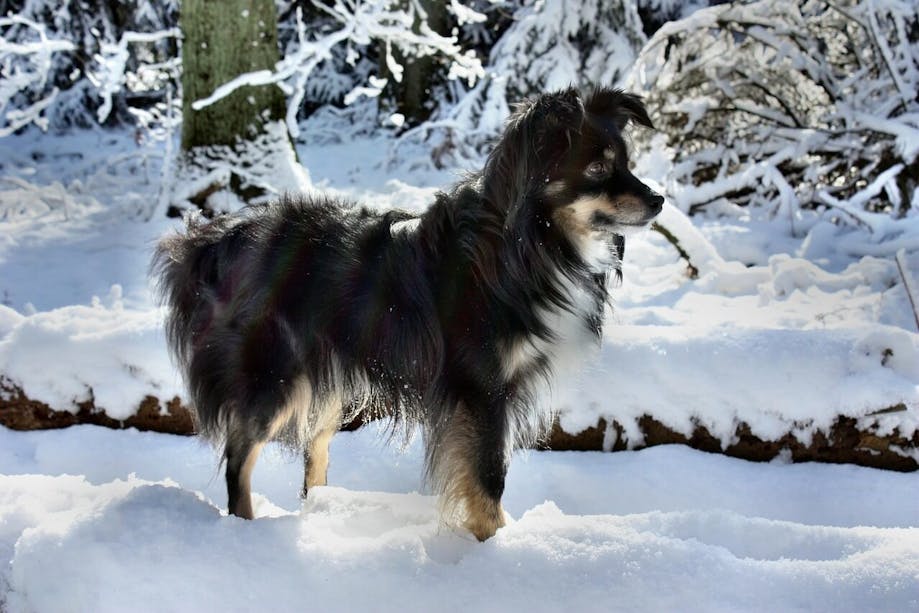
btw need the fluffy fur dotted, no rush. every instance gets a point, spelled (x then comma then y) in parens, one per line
(287, 319)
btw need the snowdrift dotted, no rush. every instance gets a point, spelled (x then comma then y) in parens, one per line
(661, 529)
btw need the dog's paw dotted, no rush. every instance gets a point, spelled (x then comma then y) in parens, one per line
(484, 525)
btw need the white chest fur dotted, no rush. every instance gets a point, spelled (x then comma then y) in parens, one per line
(570, 340)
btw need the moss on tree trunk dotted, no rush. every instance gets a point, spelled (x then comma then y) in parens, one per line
(223, 39)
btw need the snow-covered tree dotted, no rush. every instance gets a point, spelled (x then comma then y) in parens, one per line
(789, 103)
(399, 32)
(547, 46)
(88, 61)
(234, 150)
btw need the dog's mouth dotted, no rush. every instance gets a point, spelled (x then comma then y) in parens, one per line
(607, 223)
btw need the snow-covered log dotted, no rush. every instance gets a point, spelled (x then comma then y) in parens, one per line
(861, 441)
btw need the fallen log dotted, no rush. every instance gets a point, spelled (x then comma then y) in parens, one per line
(846, 442)
(19, 412)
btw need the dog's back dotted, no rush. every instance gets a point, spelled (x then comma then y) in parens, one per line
(309, 287)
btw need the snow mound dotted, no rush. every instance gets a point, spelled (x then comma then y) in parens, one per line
(135, 545)
(134, 526)
(101, 352)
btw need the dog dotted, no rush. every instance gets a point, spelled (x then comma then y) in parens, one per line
(290, 319)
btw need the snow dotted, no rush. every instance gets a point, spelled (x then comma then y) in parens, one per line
(62, 353)
(776, 381)
(796, 316)
(114, 521)
(785, 328)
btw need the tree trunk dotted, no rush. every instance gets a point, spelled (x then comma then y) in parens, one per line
(223, 39)
(412, 97)
(236, 151)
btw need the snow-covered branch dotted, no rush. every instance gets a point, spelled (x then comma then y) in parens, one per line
(26, 67)
(57, 57)
(110, 76)
(386, 22)
(789, 103)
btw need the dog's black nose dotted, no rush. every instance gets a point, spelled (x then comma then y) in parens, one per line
(657, 202)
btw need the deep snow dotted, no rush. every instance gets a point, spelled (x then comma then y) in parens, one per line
(96, 520)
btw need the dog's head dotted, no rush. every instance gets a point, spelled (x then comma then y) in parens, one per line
(589, 185)
(565, 154)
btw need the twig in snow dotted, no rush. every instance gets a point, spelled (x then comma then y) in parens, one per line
(840, 206)
(907, 283)
(673, 240)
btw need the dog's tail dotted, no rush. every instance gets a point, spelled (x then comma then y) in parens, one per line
(188, 269)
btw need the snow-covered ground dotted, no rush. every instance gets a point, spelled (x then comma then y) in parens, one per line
(96, 520)
(789, 325)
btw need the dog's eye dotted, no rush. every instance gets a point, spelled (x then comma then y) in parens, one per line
(598, 169)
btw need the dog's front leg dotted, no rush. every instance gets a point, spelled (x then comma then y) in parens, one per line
(469, 464)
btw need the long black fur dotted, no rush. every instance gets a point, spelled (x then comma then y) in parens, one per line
(412, 322)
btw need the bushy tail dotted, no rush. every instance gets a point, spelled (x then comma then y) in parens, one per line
(187, 268)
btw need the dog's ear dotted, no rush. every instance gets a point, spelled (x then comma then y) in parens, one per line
(554, 121)
(618, 106)
(539, 134)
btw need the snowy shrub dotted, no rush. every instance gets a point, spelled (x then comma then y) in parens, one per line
(655, 13)
(549, 45)
(552, 45)
(71, 59)
(789, 103)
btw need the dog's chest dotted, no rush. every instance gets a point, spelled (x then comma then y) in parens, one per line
(573, 332)
(598, 251)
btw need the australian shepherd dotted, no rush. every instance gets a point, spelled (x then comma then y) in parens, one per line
(291, 318)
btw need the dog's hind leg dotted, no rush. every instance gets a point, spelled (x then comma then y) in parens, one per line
(244, 443)
(316, 455)
(316, 461)
(241, 453)
(468, 464)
